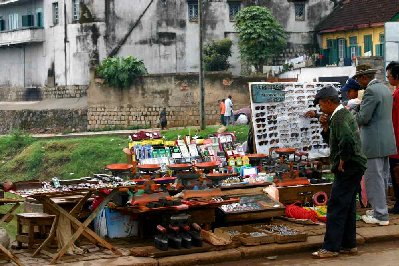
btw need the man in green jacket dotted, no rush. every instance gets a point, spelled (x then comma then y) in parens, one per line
(348, 165)
(376, 131)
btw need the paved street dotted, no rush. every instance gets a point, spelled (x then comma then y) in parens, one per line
(381, 254)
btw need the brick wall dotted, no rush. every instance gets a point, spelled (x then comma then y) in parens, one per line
(41, 93)
(43, 121)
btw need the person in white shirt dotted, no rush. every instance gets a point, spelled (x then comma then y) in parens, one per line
(228, 114)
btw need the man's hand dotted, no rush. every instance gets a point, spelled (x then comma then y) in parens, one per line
(324, 121)
(341, 166)
(310, 114)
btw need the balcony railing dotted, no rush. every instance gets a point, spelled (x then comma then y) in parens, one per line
(20, 36)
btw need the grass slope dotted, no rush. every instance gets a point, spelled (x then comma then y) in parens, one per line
(25, 158)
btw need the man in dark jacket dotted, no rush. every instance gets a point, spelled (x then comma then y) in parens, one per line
(348, 164)
(378, 141)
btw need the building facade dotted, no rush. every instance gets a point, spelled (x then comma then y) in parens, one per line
(55, 42)
(356, 29)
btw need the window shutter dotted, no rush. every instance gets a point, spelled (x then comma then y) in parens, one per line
(359, 51)
(24, 21)
(39, 19)
(377, 50)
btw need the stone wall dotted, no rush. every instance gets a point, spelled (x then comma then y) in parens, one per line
(43, 121)
(41, 93)
(376, 62)
(141, 104)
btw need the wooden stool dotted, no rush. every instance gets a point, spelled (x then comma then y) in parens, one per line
(42, 222)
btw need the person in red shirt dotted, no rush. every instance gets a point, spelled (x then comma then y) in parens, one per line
(393, 78)
(222, 108)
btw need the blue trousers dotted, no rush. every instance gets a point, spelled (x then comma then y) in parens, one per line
(341, 211)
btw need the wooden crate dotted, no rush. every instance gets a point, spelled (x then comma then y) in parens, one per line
(291, 194)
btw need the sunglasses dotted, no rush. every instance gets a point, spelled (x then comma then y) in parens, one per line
(260, 120)
(260, 114)
(259, 108)
(304, 129)
(294, 134)
(272, 122)
(274, 141)
(273, 134)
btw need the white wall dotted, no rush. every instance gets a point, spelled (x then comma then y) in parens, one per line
(314, 73)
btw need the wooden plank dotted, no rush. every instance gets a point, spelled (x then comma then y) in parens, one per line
(249, 216)
(49, 238)
(79, 206)
(10, 255)
(292, 194)
(82, 226)
(9, 212)
(151, 251)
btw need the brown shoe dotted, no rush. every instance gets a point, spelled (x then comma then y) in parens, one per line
(324, 254)
(349, 251)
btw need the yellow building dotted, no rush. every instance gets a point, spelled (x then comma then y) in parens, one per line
(355, 28)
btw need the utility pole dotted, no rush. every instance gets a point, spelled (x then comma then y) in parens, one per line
(201, 67)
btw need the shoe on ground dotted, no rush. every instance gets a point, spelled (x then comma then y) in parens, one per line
(372, 220)
(324, 254)
(349, 251)
(370, 212)
(393, 210)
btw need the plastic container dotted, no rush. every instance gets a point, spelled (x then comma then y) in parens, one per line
(114, 224)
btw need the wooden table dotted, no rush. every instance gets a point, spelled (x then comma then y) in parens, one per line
(15, 203)
(81, 228)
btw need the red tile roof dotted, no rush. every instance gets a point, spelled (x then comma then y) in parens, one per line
(356, 14)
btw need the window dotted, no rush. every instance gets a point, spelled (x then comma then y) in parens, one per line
(299, 11)
(28, 21)
(55, 13)
(13, 21)
(341, 48)
(2, 24)
(379, 48)
(39, 16)
(75, 10)
(234, 7)
(353, 48)
(192, 11)
(368, 44)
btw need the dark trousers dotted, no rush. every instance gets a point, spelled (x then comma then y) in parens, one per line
(341, 212)
(392, 163)
(222, 120)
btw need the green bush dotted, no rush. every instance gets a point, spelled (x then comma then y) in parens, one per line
(216, 54)
(121, 72)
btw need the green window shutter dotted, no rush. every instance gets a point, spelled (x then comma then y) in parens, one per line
(40, 19)
(334, 52)
(359, 51)
(368, 44)
(346, 54)
(24, 21)
(382, 49)
(377, 50)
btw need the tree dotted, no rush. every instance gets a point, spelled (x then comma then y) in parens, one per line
(216, 54)
(261, 36)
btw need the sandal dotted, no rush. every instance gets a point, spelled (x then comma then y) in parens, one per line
(323, 254)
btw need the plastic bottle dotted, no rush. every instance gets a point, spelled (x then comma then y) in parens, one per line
(231, 161)
(245, 160)
(239, 161)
